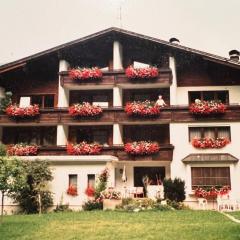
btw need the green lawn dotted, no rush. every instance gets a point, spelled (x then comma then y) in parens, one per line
(235, 214)
(99, 225)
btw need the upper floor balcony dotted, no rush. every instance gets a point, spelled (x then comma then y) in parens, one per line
(113, 115)
(117, 78)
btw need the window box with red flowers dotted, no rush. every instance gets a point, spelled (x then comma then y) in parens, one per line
(211, 192)
(84, 148)
(72, 190)
(84, 109)
(85, 73)
(207, 107)
(142, 109)
(141, 148)
(22, 112)
(90, 191)
(22, 150)
(141, 73)
(210, 142)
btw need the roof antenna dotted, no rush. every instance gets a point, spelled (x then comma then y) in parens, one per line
(120, 13)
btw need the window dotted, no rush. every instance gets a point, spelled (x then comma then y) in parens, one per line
(209, 132)
(91, 180)
(72, 180)
(44, 101)
(43, 136)
(210, 176)
(222, 96)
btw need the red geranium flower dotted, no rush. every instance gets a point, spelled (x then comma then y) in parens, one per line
(16, 111)
(90, 191)
(84, 110)
(212, 192)
(143, 109)
(148, 72)
(22, 150)
(84, 148)
(141, 148)
(72, 190)
(85, 73)
(210, 142)
(207, 107)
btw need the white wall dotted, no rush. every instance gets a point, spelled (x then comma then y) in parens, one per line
(179, 138)
(182, 93)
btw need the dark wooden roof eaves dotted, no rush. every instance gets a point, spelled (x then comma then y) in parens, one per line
(210, 158)
(128, 33)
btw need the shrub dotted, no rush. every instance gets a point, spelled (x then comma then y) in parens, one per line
(3, 150)
(174, 190)
(177, 205)
(160, 207)
(5, 102)
(93, 205)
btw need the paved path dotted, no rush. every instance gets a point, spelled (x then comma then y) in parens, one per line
(230, 217)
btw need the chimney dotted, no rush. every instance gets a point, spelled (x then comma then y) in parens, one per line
(174, 40)
(234, 55)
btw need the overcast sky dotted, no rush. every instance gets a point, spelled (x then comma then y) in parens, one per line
(30, 26)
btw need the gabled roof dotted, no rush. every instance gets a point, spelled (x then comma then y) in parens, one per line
(208, 56)
(210, 158)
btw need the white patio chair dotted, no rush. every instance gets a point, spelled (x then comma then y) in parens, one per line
(131, 192)
(139, 192)
(202, 203)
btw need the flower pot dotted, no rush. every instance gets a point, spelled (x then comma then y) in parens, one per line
(110, 204)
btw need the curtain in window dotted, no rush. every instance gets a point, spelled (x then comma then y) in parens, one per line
(73, 180)
(195, 133)
(224, 133)
(209, 133)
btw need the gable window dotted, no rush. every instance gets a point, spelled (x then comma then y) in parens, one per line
(222, 96)
(209, 132)
(44, 101)
(210, 176)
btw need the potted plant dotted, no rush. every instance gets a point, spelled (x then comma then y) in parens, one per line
(83, 148)
(111, 199)
(84, 109)
(141, 148)
(15, 111)
(22, 149)
(205, 143)
(72, 190)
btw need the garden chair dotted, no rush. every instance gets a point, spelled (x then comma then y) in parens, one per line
(202, 203)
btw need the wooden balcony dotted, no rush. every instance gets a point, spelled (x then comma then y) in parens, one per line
(109, 116)
(117, 78)
(165, 153)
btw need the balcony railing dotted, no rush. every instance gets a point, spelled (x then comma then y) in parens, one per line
(113, 78)
(117, 115)
(165, 153)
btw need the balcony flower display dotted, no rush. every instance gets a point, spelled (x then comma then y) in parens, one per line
(141, 148)
(143, 109)
(212, 192)
(21, 112)
(83, 148)
(22, 150)
(90, 191)
(84, 109)
(85, 73)
(141, 73)
(207, 107)
(210, 142)
(72, 190)
(111, 194)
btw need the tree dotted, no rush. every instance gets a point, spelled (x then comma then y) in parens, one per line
(12, 178)
(34, 197)
(5, 102)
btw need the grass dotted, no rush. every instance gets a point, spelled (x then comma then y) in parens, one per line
(235, 214)
(121, 226)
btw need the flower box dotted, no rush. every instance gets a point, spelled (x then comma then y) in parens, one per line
(141, 73)
(142, 109)
(85, 73)
(21, 112)
(141, 148)
(83, 148)
(209, 142)
(207, 107)
(211, 192)
(111, 204)
(72, 190)
(22, 150)
(84, 110)
(90, 191)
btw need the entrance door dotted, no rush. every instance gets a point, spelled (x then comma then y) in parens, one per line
(153, 174)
